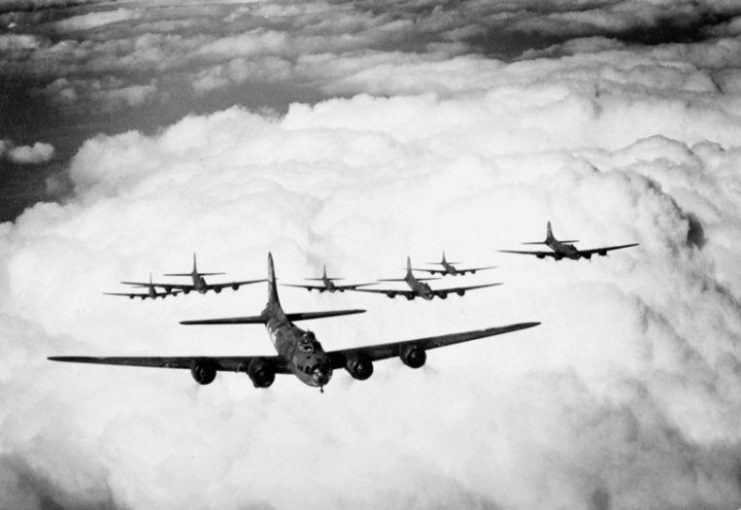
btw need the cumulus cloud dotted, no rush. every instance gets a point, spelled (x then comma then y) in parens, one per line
(627, 395)
(37, 153)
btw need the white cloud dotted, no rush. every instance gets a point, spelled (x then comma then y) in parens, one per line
(608, 401)
(37, 153)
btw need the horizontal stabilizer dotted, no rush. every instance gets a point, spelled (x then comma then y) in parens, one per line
(262, 319)
(191, 274)
(536, 242)
(392, 279)
(254, 319)
(305, 316)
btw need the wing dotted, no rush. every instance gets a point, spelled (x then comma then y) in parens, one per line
(353, 286)
(310, 287)
(604, 250)
(233, 285)
(179, 286)
(538, 253)
(461, 290)
(143, 296)
(377, 352)
(223, 363)
(409, 294)
(471, 269)
(431, 271)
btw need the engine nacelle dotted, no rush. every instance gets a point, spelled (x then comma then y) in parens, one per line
(602, 253)
(413, 356)
(261, 374)
(443, 295)
(203, 372)
(360, 367)
(392, 295)
(540, 256)
(461, 293)
(217, 290)
(235, 287)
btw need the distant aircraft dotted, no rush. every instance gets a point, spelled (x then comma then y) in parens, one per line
(449, 269)
(327, 285)
(561, 249)
(420, 289)
(199, 282)
(151, 292)
(299, 352)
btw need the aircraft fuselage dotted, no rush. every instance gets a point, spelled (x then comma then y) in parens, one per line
(307, 359)
(421, 289)
(563, 250)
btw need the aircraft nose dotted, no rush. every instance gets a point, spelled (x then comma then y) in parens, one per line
(321, 375)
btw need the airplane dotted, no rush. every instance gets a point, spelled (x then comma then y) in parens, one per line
(199, 282)
(449, 269)
(566, 249)
(151, 292)
(299, 352)
(327, 285)
(421, 289)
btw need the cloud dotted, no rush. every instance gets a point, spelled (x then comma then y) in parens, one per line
(607, 404)
(625, 397)
(26, 154)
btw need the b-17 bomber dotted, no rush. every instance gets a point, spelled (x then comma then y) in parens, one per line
(327, 284)
(198, 282)
(448, 268)
(420, 289)
(565, 249)
(298, 351)
(150, 294)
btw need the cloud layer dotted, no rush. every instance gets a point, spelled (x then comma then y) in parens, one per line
(627, 396)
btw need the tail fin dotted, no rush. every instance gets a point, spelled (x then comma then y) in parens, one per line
(272, 287)
(324, 272)
(195, 264)
(444, 256)
(549, 232)
(409, 265)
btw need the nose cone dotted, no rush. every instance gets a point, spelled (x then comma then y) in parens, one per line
(321, 375)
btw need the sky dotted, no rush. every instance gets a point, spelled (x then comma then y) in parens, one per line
(353, 134)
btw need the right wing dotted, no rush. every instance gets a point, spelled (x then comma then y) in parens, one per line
(233, 285)
(323, 288)
(377, 352)
(223, 363)
(179, 286)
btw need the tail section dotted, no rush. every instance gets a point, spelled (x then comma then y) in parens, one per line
(195, 264)
(324, 271)
(272, 287)
(444, 256)
(549, 232)
(409, 266)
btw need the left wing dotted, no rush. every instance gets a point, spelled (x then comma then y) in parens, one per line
(459, 271)
(143, 296)
(233, 285)
(323, 288)
(409, 294)
(339, 358)
(538, 253)
(223, 363)
(604, 250)
(461, 290)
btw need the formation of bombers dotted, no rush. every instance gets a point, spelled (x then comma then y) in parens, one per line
(298, 352)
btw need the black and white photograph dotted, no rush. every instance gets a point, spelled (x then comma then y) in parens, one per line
(370, 254)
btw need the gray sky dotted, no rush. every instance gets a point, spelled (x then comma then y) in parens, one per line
(355, 134)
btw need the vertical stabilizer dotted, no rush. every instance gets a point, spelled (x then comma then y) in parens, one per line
(195, 265)
(409, 266)
(444, 256)
(549, 233)
(324, 273)
(272, 287)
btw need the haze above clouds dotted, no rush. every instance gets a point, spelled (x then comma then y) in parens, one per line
(353, 134)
